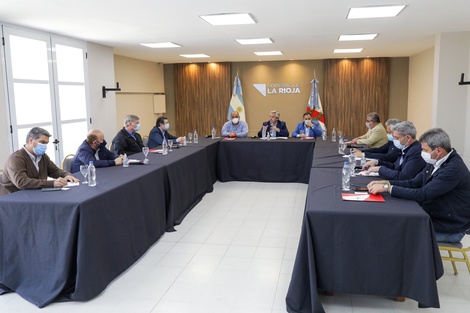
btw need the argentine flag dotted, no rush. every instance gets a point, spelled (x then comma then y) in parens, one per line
(236, 103)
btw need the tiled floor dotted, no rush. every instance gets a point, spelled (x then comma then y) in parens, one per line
(233, 253)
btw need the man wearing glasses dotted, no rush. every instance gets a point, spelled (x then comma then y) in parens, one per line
(376, 135)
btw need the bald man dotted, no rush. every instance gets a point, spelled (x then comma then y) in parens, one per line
(94, 149)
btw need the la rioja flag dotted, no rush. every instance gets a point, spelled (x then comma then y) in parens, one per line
(314, 104)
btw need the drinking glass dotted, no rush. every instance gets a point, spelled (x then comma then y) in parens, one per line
(145, 151)
(170, 144)
(84, 171)
(190, 137)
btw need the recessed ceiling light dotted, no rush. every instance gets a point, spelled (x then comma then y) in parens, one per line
(357, 37)
(161, 45)
(228, 19)
(264, 53)
(348, 50)
(256, 41)
(198, 55)
(375, 11)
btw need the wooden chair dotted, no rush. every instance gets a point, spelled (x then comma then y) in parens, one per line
(67, 162)
(455, 247)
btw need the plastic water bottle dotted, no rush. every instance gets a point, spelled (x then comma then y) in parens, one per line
(273, 133)
(125, 161)
(346, 177)
(91, 175)
(363, 159)
(340, 146)
(263, 132)
(185, 142)
(352, 163)
(164, 147)
(333, 135)
(323, 134)
(195, 137)
(213, 133)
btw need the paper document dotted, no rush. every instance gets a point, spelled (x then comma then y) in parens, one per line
(362, 196)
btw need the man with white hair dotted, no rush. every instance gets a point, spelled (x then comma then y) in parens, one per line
(128, 140)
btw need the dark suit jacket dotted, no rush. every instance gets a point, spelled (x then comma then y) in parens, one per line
(85, 154)
(388, 152)
(412, 164)
(444, 196)
(124, 143)
(156, 137)
(283, 132)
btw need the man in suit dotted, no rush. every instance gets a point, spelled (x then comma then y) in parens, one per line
(94, 149)
(388, 152)
(275, 124)
(30, 166)
(160, 131)
(307, 128)
(376, 135)
(128, 140)
(409, 163)
(441, 188)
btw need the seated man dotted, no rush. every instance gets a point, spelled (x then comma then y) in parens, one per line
(30, 166)
(94, 149)
(441, 188)
(235, 127)
(409, 163)
(388, 152)
(376, 136)
(127, 140)
(274, 123)
(307, 128)
(160, 131)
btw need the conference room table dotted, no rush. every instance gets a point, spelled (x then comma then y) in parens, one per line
(70, 244)
(355, 247)
(254, 159)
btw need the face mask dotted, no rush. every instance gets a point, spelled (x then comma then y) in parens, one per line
(137, 128)
(40, 149)
(390, 137)
(427, 157)
(398, 144)
(306, 122)
(234, 120)
(167, 126)
(367, 125)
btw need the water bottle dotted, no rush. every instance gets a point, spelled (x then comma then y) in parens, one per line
(125, 161)
(323, 134)
(268, 137)
(91, 175)
(185, 142)
(195, 138)
(340, 146)
(363, 159)
(333, 135)
(273, 133)
(352, 163)
(263, 132)
(213, 133)
(346, 177)
(164, 147)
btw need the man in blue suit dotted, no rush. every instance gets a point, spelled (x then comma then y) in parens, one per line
(160, 131)
(410, 162)
(94, 149)
(274, 123)
(307, 128)
(441, 188)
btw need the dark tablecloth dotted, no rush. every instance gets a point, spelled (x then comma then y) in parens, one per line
(71, 244)
(374, 248)
(280, 160)
(211, 146)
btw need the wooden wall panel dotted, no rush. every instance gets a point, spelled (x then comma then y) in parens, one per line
(353, 88)
(202, 96)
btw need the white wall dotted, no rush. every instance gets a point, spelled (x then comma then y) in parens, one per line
(4, 125)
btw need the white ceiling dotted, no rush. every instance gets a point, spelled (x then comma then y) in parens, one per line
(301, 29)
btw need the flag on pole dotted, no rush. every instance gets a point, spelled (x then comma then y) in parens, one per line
(236, 103)
(314, 104)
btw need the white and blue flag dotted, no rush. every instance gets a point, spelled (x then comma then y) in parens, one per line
(236, 103)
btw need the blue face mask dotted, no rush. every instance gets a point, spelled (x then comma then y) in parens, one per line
(390, 137)
(397, 144)
(40, 149)
(137, 128)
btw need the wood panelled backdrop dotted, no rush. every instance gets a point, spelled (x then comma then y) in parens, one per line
(352, 89)
(202, 95)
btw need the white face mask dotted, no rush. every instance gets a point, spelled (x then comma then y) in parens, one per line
(307, 122)
(167, 126)
(427, 157)
(367, 125)
(398, 144)
(235, 120)
(390, 137)
(137, 128)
